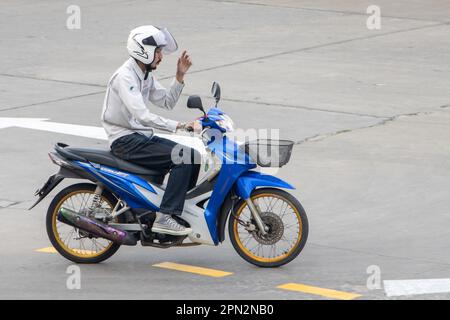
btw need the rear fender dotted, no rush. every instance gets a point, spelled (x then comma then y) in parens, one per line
(51, 183)
(56, 179)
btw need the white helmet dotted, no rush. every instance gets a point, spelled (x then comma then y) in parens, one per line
(144, 40)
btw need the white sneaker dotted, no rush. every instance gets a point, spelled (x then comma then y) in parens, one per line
(164, 223)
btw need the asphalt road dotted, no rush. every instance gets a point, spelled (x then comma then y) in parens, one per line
(369, 110)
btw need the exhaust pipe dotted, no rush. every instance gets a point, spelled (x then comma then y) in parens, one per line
(95, 227)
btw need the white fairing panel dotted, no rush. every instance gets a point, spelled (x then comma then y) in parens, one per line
(195, 216)
(192, 214)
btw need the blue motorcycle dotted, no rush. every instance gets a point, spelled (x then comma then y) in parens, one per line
(88, 222)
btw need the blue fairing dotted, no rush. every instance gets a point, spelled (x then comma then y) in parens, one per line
(122, 184)
(250, 180)
(226, 150)
(214, 114)
(235, 170)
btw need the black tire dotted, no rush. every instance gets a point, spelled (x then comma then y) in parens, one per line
(53, 210)
(297, 248)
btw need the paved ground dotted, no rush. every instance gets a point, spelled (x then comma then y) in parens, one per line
(370, 110)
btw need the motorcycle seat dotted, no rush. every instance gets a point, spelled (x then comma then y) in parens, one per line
(105, 157)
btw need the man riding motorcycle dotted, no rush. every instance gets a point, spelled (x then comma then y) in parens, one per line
(129, 123)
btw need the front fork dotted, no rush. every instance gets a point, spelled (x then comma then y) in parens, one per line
(256, 215)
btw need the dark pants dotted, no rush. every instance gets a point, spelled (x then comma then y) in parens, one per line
(156, 153)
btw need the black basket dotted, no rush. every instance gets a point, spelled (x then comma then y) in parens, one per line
(269, 153)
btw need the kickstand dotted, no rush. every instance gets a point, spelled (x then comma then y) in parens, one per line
(143, 227)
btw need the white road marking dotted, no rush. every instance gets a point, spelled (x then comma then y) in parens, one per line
(88, 131)
(395, 288)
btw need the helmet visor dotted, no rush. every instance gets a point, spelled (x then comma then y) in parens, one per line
(171, 45)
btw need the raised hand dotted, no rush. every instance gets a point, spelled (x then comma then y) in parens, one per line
(183, 65)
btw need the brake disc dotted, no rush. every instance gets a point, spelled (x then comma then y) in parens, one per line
(275, 226)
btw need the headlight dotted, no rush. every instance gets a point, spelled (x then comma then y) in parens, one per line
(226, 123)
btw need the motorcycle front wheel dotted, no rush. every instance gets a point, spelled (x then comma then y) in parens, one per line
(287, 228)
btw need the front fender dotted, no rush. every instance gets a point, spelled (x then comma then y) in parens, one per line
(250, 180)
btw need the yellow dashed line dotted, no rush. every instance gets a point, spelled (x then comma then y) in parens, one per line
(53, 250)
(319, 291)
(328, 293)
(47, 250)
(193, 269)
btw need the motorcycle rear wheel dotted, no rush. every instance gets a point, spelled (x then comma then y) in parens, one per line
(261, 250)
(86, 249)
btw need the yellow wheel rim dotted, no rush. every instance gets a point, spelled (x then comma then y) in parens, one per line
(66, 235)
(268, 253)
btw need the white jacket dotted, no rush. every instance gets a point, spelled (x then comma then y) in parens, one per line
(126, 108)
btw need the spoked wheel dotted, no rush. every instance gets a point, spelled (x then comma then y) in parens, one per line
(287, 228)
(73, 243)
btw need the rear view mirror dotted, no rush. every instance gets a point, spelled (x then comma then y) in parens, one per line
(195, 102)
(215, 90)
